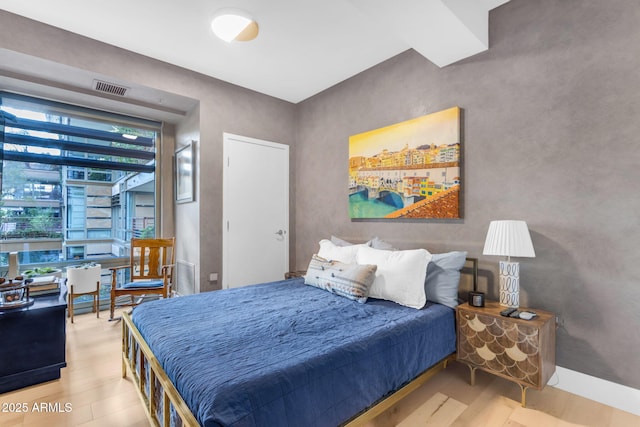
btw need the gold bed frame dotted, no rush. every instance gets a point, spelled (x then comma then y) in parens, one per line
(137, 361)
(137, 355)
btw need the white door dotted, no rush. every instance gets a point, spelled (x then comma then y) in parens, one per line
(255, 211)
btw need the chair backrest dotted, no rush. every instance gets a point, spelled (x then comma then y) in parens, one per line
(148, 256)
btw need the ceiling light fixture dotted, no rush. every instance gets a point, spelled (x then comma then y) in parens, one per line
(234, 25)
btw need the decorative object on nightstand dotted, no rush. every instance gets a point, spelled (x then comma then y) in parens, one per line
(522, 351)
(476, 299)
(509, 238)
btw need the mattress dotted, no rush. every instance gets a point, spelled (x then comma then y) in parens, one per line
(288, 354)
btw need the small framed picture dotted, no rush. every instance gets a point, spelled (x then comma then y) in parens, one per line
(184, 173)
(476, 299)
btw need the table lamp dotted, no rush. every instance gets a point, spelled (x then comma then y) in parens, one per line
(509, 238)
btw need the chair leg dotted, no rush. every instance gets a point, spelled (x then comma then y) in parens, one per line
(71, 304)
(112, 305)
(96, 300)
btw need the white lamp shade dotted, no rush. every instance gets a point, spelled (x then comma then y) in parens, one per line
(509, 238)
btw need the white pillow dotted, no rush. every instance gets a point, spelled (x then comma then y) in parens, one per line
(400, 275)
(332, 252)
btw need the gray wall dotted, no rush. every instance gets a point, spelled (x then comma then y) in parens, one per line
(222, 108)
(188, 225)
(551, 124)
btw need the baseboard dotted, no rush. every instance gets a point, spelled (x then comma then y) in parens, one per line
(606, 392)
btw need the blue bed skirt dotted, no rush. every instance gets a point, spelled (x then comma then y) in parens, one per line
(287, 354)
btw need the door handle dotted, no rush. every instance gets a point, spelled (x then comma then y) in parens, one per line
(281, 233)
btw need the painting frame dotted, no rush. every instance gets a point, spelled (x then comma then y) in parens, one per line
(184, 173)
(411, 170)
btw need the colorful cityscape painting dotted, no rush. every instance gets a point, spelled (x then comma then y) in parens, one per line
(407, 170)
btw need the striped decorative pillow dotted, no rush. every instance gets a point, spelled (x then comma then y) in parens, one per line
(347, 280)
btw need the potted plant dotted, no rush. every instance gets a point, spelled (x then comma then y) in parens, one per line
(41, 271)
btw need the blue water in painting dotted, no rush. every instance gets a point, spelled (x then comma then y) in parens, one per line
(359, 207)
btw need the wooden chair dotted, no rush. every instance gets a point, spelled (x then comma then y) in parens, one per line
(84, 281)
(150, 270)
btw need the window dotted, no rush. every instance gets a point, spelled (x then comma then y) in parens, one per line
(75, 252)
(77, 183)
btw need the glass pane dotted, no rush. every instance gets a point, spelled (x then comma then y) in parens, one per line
(76, 207)
(75, 252)
(75, 173)
(55, 133)
(99, 234)
(99, 175)
(29, 257)
(75, 234)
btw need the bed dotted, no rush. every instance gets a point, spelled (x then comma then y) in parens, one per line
(281, 353)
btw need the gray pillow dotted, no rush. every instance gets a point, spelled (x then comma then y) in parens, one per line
(375, 242)
(340, 242)
(443, 278)
(378, 243)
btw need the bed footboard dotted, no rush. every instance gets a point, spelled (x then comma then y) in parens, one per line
(163, 404)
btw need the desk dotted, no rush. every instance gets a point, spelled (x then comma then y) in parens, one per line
(33, 342)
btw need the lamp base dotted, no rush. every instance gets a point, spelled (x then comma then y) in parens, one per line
(510, 284)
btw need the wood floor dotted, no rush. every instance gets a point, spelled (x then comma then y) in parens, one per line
(91, 392)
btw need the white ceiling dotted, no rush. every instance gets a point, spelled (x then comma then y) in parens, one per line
(304, 46)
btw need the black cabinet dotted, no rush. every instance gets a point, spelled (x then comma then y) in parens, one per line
(32, 342)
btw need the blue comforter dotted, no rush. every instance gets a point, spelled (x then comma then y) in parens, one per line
(287, 354)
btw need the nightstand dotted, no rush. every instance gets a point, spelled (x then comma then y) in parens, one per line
(522, 351)
(294, 274)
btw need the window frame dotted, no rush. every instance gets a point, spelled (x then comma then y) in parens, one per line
(86, 165)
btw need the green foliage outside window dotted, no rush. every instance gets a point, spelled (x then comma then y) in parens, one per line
(148, 232)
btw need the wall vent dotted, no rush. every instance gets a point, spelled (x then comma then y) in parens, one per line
(109, 88)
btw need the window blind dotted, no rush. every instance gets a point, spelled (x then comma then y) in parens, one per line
(54, 133)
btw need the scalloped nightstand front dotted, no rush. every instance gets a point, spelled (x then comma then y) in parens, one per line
(522, 351)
